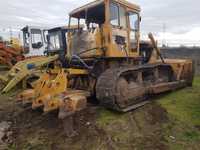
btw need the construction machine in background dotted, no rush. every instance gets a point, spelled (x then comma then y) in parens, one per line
(24, 60)
(36, 56)
(34, 41)
(104, 58)
(34, 44)
(10, 54)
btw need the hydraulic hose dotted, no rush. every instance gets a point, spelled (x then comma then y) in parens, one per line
(81, 61)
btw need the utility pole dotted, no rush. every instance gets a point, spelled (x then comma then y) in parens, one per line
(11, 34)
(164, 38)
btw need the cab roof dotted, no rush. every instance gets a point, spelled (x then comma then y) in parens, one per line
(99, 2)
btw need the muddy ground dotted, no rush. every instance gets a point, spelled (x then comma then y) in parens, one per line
(147, 128)
(33, 130)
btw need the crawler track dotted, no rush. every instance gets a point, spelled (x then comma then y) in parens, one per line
(120, 90)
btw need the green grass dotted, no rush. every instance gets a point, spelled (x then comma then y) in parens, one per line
(183, 107)
(192, 135)
(184, 104)
(107, 116)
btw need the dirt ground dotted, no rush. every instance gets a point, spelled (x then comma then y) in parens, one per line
(33, 130)
(147, 128)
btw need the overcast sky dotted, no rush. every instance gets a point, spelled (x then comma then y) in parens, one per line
(181, 18)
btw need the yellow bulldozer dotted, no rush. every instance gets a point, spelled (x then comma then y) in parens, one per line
(105, 59)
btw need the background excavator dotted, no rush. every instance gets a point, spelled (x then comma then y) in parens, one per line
(105, 59)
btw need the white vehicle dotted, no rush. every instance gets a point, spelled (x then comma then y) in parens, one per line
(34, 41)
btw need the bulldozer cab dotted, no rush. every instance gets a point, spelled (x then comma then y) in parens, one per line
(34, 41)
(56, 40)
(111, 29)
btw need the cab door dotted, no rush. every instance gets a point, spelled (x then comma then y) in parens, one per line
(119, 30)
(133, 25)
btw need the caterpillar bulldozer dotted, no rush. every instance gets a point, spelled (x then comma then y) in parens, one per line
(105, 59)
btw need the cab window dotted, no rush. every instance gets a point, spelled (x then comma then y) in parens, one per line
(117, 15)
(54, 41)
(122, 15)
(134, 21)
(36, 38)
(134, 27)
(114, 14)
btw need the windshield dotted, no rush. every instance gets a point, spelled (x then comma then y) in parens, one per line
(88, 21)
(36, 36)
(89, 17)
(83, 24)
(54, 41)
